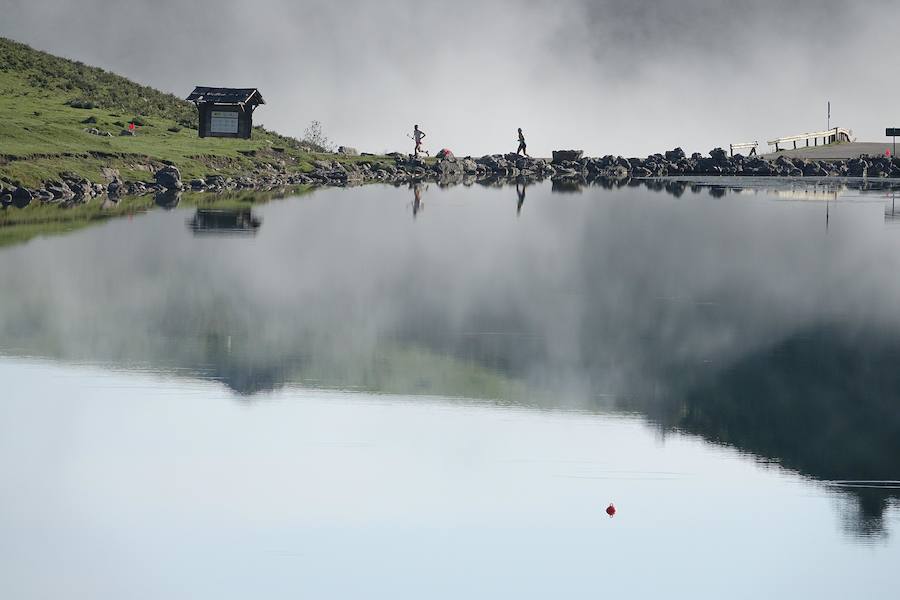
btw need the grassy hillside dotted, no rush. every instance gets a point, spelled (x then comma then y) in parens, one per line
(47, 105)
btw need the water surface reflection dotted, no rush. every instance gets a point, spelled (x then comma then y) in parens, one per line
(722, 310)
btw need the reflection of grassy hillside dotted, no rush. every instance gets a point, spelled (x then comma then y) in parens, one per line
(824, 404)
(21, 225)
(415, 370)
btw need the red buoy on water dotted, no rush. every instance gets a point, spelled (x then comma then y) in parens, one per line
(611, 510)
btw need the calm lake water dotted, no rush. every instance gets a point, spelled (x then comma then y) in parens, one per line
(351, 394)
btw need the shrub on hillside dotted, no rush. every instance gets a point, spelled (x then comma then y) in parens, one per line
(314, 136)
(81, 104)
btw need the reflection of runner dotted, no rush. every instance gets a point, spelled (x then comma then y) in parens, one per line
(522, 146)
(418, 136)
(418, 205)
(520, 190)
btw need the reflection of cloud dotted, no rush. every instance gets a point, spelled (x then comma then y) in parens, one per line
(697, 305)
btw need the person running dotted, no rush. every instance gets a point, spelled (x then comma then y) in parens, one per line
(418, 136)
(522, 146)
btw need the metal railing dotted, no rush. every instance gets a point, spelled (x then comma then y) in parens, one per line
(743, 146)
(837, 134)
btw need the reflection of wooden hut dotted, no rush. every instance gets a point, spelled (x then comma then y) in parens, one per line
(226, 112)
(213, 221)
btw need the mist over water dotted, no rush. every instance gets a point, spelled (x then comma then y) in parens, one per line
(617, 77)
(351, 380)
(627, 284)
(623, 298)
(436, 392)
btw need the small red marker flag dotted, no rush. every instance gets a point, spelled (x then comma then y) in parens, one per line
(611, 510)
(131, 126)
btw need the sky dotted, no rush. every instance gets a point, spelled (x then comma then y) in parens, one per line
(629, 77)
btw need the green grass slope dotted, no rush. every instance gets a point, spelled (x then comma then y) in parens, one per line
(48, 103)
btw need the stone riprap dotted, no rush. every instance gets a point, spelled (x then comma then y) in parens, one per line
(567, 165)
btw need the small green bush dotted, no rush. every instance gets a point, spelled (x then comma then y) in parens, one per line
(86, 104)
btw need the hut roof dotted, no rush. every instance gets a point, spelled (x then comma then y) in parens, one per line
(220, 95)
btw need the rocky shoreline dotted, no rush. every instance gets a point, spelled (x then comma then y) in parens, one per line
(565, 166)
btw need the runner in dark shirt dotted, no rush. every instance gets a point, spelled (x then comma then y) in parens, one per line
(522, 147)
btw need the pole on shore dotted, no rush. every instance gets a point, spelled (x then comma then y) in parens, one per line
(828, 123)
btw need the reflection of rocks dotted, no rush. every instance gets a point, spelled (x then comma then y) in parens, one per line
(567, 186)
(495, 169)
(168, 199)
(214, 221)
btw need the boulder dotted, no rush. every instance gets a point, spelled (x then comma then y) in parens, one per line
(110, 174)
(44, 196)
(411, 163)
(216, 180)
(857, 168)
(708, 166)
(136, 188)
(675, 155)
(561, 156)
(81, 187)
(21, 197)
(115, 189)
(719, 155)
(449, 168)
(348, 151)
(619, 172)
(444, 153)
(169, 177)
(814, 169)
(98, 132)
(60, 190)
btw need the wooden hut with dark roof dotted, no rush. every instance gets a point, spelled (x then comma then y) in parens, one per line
(226, 112)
